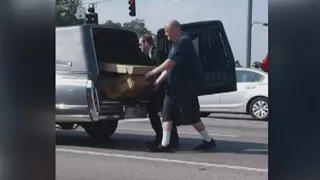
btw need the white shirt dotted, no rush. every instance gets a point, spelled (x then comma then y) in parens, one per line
(150, 51)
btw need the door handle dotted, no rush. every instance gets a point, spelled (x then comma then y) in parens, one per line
(64, 63)
(250, 87)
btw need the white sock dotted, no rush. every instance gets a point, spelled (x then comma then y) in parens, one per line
(165, 138)
(205, 135)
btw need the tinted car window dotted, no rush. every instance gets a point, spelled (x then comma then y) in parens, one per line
(245, 76)
(70, 49)
(248, 76)
(258, 77)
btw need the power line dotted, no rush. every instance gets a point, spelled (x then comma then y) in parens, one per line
(96, 2)
(66, 2)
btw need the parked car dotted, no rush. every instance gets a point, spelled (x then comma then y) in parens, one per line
(251, 96)
(79, 49)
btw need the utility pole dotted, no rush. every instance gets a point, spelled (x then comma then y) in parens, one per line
(259, 22)
(249, 33)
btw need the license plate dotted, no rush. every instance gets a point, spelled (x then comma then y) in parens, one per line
(135, 112)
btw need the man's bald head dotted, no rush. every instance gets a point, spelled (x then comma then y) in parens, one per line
(174, 24)
(173, 30)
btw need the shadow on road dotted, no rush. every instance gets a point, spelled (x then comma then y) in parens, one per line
(133, 142)
(231, 117)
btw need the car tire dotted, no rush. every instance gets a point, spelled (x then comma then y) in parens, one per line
(66, 126)
(204, 114)
(101, 129)
(259, 108)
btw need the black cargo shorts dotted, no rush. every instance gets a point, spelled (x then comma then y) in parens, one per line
(183, 110)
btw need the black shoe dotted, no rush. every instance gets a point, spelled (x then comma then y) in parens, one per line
(161, 148)
(206, 145)
(153, 144)
(174, 144)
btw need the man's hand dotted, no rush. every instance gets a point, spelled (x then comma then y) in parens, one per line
(167, 64)
(257, 65)
(159, 80)
(149, 75)
(153, 87)
(156, 86)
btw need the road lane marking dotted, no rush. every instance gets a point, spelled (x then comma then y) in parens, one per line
(188, 133)
(161, 160)
(133, 120)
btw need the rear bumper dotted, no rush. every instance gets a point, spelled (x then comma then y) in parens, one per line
(108, 110)
(75, 113)
(113, 107)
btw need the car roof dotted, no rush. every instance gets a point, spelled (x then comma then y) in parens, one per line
(252, 70)
(74, 27)
(83, 26)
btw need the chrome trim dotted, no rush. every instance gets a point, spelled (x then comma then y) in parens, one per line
(124, 103)
(110, 102)
(73, 118)
(98, 104)
(66, 106)
(94, 49)
(84, 118)
(109, 117)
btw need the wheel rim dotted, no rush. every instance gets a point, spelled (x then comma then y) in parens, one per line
(260, 109)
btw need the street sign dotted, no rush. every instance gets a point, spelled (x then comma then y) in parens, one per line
(81, 13)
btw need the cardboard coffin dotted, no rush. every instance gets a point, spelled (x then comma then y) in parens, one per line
(130, 83)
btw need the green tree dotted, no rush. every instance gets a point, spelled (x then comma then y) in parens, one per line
(110, 23)
(138, 26)
(65, 12)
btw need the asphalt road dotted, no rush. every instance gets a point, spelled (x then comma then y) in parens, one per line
(241, 153)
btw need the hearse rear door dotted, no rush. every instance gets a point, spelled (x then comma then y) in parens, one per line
(214, 51)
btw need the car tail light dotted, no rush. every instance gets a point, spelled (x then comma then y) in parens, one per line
(93, 101)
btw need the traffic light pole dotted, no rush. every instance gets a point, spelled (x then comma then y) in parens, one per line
(249, 33)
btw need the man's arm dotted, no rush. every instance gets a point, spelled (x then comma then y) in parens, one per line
(166, 65)
(161, 77)
(264, 64)
(159, 56)
(175, 57)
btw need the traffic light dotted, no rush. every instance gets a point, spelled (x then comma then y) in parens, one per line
(92, 16)
(132, 7)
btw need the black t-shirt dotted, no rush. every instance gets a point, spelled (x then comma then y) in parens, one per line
(183, 77)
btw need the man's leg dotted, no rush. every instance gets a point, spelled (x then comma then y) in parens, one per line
(190, 109)
(168, 113)
(174, 138)
(155, 120)
(166, 134)
(208, 141)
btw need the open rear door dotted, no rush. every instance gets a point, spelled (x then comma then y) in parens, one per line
(214, 51)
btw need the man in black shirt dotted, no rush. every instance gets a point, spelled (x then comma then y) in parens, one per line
(183, 74)
(156, 98)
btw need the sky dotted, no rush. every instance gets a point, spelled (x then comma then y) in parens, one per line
(232, 13)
